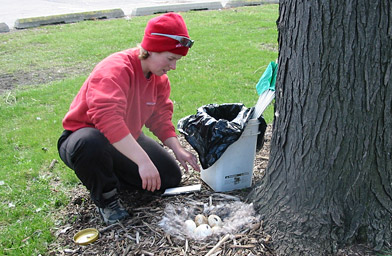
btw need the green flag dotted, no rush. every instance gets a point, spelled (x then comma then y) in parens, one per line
(268, 79)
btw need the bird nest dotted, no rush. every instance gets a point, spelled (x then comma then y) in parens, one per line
(236, 217)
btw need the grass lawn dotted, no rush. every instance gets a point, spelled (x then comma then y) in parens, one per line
(231, 51)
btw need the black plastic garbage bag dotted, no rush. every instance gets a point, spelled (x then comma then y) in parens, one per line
(260, 137)
(214, 128)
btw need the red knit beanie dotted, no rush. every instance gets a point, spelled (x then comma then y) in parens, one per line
(169, 23)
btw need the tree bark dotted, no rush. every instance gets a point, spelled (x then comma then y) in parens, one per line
(328, 182)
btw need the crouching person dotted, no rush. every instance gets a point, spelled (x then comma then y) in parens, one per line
(103, 140)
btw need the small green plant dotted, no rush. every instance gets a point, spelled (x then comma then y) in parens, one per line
(231, 51)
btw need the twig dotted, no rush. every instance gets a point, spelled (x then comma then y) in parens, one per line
(27, 238)
(153, 241)
(230, 197)
(130, 237)
(147, 225)
(146, 252)
(264, 66)
(186, 245)
(218, 245)
(168, 239)
(127, 250)
(123, 227)
(108, 227)
(246, 246)
(126, 231)
(137, 237)
(137, 228)
(217, 253)
(52, 164)
(10, 101)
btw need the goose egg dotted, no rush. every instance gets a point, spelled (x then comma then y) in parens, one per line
(200, 219)
(190, 226)
(203, 231)
(214, 220)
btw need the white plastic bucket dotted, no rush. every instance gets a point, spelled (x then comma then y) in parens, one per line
(234, 169)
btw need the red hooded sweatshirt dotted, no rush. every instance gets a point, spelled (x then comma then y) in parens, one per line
(117, 99)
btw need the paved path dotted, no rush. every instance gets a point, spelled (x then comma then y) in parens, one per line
(11, 10)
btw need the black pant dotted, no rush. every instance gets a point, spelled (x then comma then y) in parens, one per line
(101, 167)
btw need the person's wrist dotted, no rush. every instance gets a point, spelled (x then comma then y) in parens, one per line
(143, 161)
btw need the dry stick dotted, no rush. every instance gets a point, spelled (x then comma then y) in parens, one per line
(146, 252)
(168, 239)
(108, 227)
(13, 99)
(137, 237)
(153, 241)
(204, 247)
(152, 229)
(139, 230)
(186, 245)
(148, 226)
(246, 246)
(218, 245)
(52, 164)
(127, 250)
(122, 226)
(226, 196)
(126, 232)
(218, 252)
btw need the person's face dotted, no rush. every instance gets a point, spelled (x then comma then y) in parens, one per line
(162, 62)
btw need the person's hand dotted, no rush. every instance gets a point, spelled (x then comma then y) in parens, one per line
(183, 156)
(149, 174)
(147, 170)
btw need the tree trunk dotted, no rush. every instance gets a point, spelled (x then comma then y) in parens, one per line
(328, 182)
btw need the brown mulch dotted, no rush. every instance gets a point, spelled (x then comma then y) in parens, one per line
(141, 234)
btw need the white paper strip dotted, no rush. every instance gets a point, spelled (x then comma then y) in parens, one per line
(182, 190)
